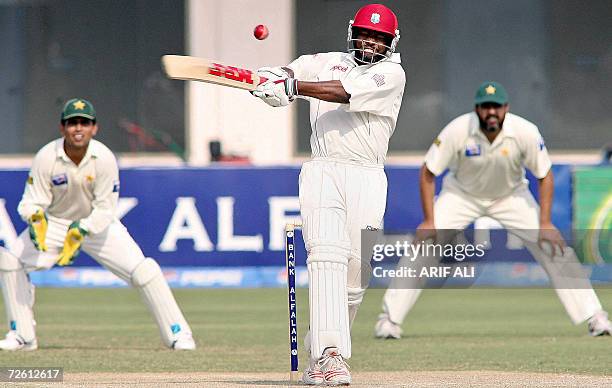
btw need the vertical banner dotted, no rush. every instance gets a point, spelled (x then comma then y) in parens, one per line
(593, 213)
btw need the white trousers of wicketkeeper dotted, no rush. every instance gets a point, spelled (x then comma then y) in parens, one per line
(337, 200)
(114, 248)
(519, 214)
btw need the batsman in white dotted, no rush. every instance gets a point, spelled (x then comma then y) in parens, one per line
(355, 98)
(69, 203)
(486, 151)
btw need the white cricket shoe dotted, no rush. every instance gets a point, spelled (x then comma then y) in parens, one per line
(13, 342)
(313, 375)
(384, 328)
(184, 342)
(334, 368)
(599, 324)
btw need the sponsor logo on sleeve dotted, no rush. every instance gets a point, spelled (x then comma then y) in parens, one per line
(58, 180)
(116, 186)
(472, 150)
(30, 180)
(339, 68)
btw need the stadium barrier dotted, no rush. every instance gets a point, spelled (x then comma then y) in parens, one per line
(224, 226)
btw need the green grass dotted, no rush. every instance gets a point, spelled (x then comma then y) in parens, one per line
(97, 330)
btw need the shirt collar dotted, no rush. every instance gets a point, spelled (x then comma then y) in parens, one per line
(394, 58)
(92, 150)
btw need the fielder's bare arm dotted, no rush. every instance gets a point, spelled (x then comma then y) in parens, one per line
(486, 152)
(69, 204)
(355, 99)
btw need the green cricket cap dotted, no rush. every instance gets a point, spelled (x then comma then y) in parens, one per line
(78, 107)
(491, 91)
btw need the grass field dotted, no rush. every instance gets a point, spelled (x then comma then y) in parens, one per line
(109, 330)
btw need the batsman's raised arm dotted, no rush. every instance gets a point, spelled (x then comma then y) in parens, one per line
(330, 91)
(375, 90)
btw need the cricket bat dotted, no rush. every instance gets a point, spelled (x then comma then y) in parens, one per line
(205, 70)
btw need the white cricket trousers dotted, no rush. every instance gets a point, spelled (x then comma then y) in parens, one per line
(337, 200)
(518, 213)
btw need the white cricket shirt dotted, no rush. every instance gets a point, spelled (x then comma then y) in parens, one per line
(360, 130)
(87, 192)
(488, 170)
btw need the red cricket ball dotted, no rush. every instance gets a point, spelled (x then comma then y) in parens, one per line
(261, 32)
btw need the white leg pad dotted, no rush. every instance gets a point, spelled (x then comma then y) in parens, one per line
(355, 297)
(18, 297)
(150, 282)
(580, 301)
(329, 323)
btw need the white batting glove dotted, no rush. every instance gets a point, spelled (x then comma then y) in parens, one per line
(277, 93)
(272, 73)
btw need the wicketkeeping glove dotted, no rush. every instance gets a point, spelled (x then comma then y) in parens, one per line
(37, 225)
(72, 244)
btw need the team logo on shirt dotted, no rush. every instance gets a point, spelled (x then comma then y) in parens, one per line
(472, 150)
(116, 186)
(379, 79)
(437, 141)
(30, 180)
(375, 18)
(59, 180)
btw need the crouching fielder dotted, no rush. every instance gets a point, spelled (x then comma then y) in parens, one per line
(355, 99)
(69, 204)
(486, 151)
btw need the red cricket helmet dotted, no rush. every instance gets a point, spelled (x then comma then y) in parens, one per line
(375, 17)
